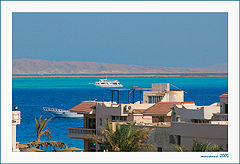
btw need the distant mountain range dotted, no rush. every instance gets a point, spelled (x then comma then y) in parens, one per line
(35, 66)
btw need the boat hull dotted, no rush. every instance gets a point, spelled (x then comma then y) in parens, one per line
(66, 115)
(109, 86)
(59, 113)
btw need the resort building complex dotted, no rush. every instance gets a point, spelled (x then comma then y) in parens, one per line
(161, 109)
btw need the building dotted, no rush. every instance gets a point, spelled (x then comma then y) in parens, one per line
(88, 109)
(189, 112)
(223, 114)
(183, 134)
(172, 120)
(16, 118)
(161, 92)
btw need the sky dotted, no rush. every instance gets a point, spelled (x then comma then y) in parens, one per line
(147, 39)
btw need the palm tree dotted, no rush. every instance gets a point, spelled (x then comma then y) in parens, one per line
(40, 125)
(199, 147)
(126, 138)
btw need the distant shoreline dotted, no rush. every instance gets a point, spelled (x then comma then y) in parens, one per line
(120, 75)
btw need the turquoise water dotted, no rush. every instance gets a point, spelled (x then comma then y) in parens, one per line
(31, 94)
(54, 83)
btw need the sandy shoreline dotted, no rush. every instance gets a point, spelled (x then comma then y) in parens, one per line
(102, 76)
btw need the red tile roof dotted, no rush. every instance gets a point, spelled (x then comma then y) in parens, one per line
(225, 95)
(84, 107)
(187, 102)
(176, 90)
(162, 108)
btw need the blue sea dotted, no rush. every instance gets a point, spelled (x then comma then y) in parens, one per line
(32, 94)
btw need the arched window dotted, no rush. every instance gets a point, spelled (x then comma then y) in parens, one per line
(172, 139)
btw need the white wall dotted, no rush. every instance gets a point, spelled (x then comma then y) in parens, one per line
(223, 101)
(216, 134)
(187, 113)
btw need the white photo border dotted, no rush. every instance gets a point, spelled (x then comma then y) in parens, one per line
(8, 7)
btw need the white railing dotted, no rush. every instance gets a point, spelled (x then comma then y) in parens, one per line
(47, 109)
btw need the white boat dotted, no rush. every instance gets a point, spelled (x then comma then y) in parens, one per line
(107, 83)
(62, 113)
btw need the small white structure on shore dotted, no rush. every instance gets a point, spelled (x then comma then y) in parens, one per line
(16, 119)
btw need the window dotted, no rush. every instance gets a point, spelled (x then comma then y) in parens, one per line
(119, 118)
(91, 123)
(178, 118)
(157, 118)
(199, 121)
(154, 99)
(113, 118)
(171, 139)
(100, 122)
(123, 118)
(178, 140)
(226, 108)
(150, 99)
(159, 149)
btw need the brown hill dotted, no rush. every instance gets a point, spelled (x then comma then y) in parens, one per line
(34, 66)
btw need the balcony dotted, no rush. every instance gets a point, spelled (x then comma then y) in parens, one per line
(220, 117)
(80, 133)
(158, 124)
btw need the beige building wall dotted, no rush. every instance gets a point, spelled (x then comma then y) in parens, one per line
(160, 138)
(216, 134)
(141, 119)
(176, 96)
(168, 96)
(187, 113)
(164, 137)
(160, 86)
(209, 110)
(105, 111)
(152, 93)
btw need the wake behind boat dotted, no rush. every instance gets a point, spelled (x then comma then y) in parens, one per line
(107, 83)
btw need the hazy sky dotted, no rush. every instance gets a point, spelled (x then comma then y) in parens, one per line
(150, 39)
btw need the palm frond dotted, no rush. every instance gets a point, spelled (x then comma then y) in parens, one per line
(40, 125)
(125, 137)
(215, 148)
(179, 148)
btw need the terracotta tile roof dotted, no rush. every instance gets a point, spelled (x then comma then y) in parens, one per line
(84, 107)
(176, 90)
(187, 103)
(161, 108)
(225, 95)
